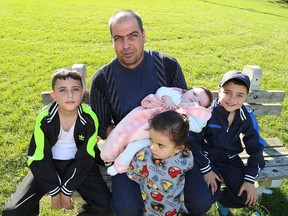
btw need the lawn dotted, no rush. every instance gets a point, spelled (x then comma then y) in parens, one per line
(207, 37)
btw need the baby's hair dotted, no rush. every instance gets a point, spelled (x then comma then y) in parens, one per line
(65, 73)
(209, 94)
(172, 124)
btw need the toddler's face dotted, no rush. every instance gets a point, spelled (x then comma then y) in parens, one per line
(197, 95)
(161, 146)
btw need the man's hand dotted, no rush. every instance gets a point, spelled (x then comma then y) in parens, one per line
(252, 195)
(211, 179)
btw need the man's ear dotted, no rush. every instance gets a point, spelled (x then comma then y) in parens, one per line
(144, 35)
(112, 41)
(52, 95)
(83, 92)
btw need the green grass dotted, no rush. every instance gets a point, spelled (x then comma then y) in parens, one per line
(207, 37)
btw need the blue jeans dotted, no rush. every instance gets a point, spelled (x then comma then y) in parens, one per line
(127, 200)
(232, 172)
(197, 195)
(126, 196)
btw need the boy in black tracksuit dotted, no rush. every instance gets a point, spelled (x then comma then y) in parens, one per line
(220, 143)
(61, 154)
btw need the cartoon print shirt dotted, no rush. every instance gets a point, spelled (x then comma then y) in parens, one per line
(161, 181)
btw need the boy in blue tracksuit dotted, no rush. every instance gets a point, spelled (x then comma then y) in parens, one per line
(216, 151)
(61, 154)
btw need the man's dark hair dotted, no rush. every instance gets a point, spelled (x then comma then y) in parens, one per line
(123, 15)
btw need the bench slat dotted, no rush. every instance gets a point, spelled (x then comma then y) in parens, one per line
(276, 157)
(273, 142)
(274, 147)
(276, 161)
(278, 151)
(266, 96)
(262, 96)
(257, 96)
(273, 173)
(265, 109)
(259, 109)
(272, 152)
(281, 160)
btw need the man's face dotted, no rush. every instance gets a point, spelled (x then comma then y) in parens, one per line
(128, 42)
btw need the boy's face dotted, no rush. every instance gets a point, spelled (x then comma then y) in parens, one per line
(232, 96)
(68, 94)
(197, 95)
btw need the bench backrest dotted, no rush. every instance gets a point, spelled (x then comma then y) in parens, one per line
(262, 102)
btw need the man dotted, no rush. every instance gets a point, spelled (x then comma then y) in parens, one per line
(119, 87)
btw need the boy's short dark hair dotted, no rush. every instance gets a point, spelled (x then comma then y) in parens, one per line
(65, 73)
(237, 77)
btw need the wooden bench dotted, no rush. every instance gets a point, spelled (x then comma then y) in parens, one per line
(262, 102)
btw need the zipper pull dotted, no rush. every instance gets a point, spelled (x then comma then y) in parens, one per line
(227, 129)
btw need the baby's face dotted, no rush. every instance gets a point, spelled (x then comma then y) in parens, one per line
(196, 95)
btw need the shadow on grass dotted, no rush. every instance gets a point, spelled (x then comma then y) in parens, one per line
(282, 1)
(247, 9)
(277, 203)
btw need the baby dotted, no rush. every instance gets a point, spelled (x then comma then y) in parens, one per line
(133, 129)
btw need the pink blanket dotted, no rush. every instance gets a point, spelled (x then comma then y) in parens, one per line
(134, 125)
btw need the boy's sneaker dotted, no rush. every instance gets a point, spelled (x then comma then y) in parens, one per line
(223, 211)
(255, 213)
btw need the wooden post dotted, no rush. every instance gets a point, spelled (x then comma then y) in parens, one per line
(255, 74)
(81, 68)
